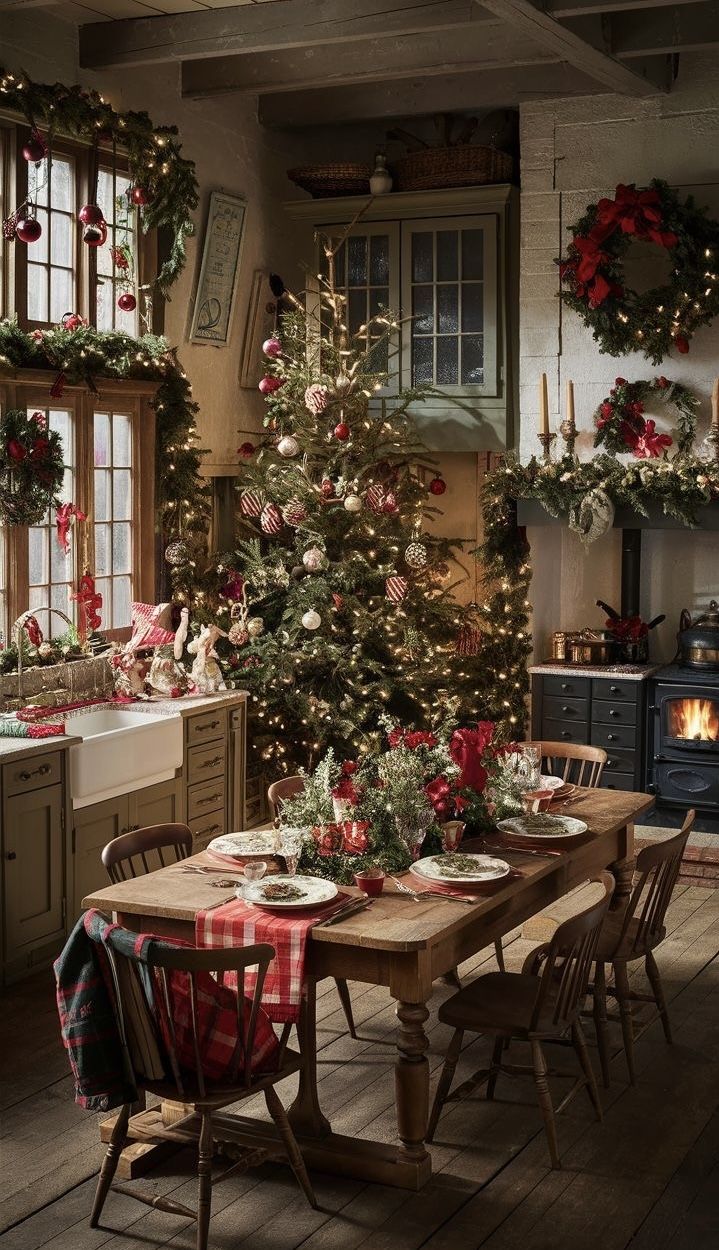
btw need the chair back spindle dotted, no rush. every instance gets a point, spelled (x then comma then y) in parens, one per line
(656, 875)
(576, 763)
(126, 856)
(568, 963)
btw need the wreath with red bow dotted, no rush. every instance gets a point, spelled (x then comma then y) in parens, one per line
(653, 321)
(622, 426)
(31, 467)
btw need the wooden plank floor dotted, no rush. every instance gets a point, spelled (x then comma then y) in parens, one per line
(646, 1178)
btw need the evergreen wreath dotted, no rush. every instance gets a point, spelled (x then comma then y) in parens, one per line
(31, 467)
(653, 322)
(621, 425)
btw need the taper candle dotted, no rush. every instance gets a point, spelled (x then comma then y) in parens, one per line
(715, 404)
(569, 415)
(543, 405)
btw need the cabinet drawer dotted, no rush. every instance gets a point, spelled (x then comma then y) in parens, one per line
(205, 798)
(205, 762)
(605, 713)
(604, 688)
(205, 828)
(560, 731)
(577, 687)
(612, 736)
(30, 774)
(566, 709)
(620, 762)
(211, 724)
(617, 781)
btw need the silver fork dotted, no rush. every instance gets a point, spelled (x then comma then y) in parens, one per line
(419, 895)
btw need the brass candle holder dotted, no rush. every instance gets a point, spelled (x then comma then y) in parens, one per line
(568, 431)
(546, 438)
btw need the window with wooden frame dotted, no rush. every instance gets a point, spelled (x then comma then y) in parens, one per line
(109, 449)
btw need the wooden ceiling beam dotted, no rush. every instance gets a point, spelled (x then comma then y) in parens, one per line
(372, 60)
(691, 28)
(561, 9)
(422, 96)
(568, 45)
(271, 27)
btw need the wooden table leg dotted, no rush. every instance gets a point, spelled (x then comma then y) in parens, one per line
(411, 1080)
(623, 872)
(305, 1113)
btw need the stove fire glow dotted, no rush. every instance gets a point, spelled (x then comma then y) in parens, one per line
(695, 720)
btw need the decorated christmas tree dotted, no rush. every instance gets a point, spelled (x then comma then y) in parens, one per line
(338, 603)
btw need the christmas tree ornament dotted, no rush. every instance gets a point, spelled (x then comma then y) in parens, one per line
(353, 503)
(269, 384)
(298, 572)
(35, 150)
(91, 215)
(593, 516)
(327, 488)
(95, 235)
(28, 230)
(314, 559)
(390, 506)
(139, 196)
(338, 601)
(416, 555)
(288, 446)
(342, 431)
(271, 519)
(376, 495)
(294, 512)
(468, 641)
(255, 627)
(396, 589)
(437, 486)
(177, 553)
(317, 397)
(311, 619)
(251, 503)
(246, 450)
(127, 302)
(272, 348)
(237, 634)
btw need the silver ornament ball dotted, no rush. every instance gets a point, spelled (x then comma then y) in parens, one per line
(177, 553)
(314, 559)
(311, 619)
(416, 555)
(288, 446)
(353, 503)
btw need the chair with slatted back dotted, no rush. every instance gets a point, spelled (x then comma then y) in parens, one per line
(635, 934)
(127, 855)
(170, 1014)
(542, 1003)
(288, 788)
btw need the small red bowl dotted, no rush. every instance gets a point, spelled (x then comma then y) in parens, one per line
(372, 885)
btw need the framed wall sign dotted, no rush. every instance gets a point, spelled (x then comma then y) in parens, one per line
(212, 313)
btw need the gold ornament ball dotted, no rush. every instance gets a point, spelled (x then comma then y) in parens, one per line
(255, 626)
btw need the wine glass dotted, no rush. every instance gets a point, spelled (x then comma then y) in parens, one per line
(255, 869)
(291, 849)
(528, 767)
(412, 830)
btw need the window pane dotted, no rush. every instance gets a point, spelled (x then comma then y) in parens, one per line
(60, 599)
(37, 184)
(62, 188)
(102, 549)
(121, 495)
(447, 361)
(447, 245)
(51, 571)
(422, 263)
(102, 438)
(447, 309)
(37, 298)
(340, 260)
(105, 195)
(472, 307)
(103, 500)
(121, 435)
(38, 544)
(422, 361)
(121, 548)
(422, 310)
(472, 254)
(61, 240)
(62, 298)
(357, 261)
(105, 311)
(61, 564)
(357, 309)
(379, 260)
(473, 359)
(378, 301)
(121, 615)
(40, 251)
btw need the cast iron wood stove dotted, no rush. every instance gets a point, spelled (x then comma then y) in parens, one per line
(683, 738)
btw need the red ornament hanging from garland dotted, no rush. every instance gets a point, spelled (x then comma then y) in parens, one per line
(35, 150)
(127, 302)
(666, 316)
(437, 486)
(28, 230)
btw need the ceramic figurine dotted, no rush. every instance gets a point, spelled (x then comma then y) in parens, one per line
(206, 674)
(166, 677)
(129, 674)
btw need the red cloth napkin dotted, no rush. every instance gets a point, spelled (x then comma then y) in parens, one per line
(237, 924)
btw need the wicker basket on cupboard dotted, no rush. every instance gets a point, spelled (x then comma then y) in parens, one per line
(324, 181)
(459, 166)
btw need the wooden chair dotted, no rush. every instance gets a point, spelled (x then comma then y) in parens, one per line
(634, 934)
(540, 1004)
(193, 1086)
(288, 788)
(127, 855)
(576, 764)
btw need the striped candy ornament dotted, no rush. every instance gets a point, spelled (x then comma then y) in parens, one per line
(271, 519)
(250, 503)
(294, 512)
(375, 497)
(396, 589)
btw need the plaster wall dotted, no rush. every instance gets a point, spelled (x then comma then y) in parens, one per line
(573, 152)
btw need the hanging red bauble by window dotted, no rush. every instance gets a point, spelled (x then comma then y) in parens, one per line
(140, 196)
(91, 215)
(28, 230)
(127, 302)
(438, 485)
(35, 150)
(342, 431)
(95, 235)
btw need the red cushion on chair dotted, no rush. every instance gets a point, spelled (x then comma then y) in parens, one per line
(217, 1027)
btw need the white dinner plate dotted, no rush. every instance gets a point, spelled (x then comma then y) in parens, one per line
(245, 845)
(313, 891)
(543, 826)
(445, 870)
(551, 783)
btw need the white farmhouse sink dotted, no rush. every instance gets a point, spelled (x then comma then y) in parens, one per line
(121, 751)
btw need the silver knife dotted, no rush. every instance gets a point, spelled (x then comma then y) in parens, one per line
(350, 909)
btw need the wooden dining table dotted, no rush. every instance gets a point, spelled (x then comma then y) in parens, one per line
(399, 943)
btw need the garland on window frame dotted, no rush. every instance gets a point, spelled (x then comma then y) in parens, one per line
(164, 183)
(84, 354)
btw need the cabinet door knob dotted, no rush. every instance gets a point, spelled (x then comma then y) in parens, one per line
(613, 711)
(566, 733)
(614, 689)
(565, 686)
(611, 737)
(11, 855)
(566, 709)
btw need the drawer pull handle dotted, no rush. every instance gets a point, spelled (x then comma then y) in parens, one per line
(566, 733)
(614, 689)
(212, 798)
(210, 724)
(611, 737)
(613, 711)
(200, 833)
(42, 771)
(565, 686)
(566, 709)
(212, 763)
(11, 855)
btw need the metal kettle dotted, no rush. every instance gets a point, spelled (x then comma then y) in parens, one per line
(699, 640)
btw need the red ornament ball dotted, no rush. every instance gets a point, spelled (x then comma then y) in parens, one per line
(437, 486)
(272, 347)
(682, 344)
(268, 385)
(35, 150)
(140, 196)
(127, 302)
(246, 450)
(342, 431)
(91, 215)
(28, 230)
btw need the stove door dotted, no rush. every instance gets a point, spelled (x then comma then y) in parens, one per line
(686, 785)
(691, 721)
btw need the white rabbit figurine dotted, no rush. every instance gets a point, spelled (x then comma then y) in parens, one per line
(206, 674)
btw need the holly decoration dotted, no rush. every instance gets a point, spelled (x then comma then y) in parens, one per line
(622, 426)
(31, 467)
(664, 317)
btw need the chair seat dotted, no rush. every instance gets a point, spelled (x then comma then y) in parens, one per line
(609, 947)
(221, 1093)
(499, 1002)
